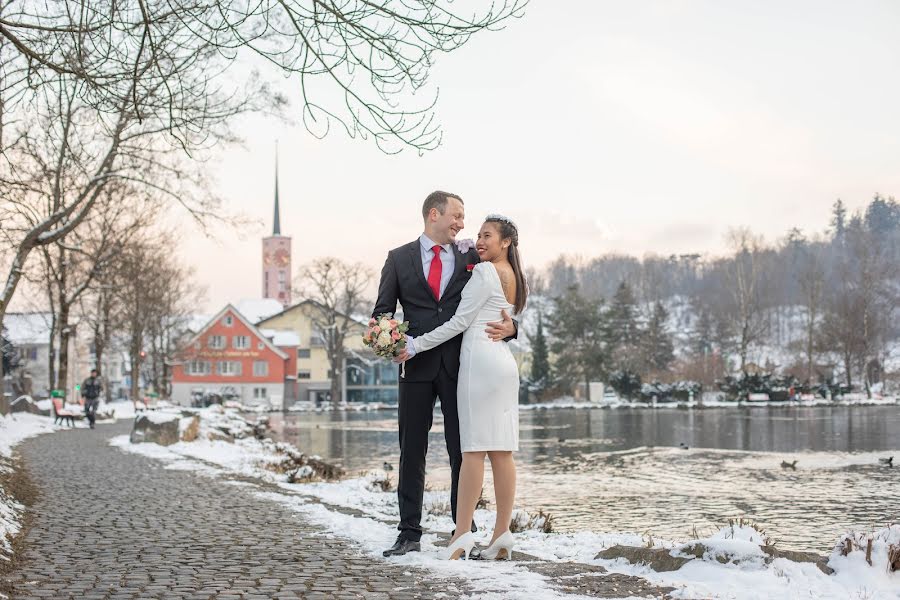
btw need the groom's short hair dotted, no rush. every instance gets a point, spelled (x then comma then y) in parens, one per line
(438, 200)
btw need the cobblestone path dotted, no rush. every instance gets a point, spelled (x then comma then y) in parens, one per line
(112, 525)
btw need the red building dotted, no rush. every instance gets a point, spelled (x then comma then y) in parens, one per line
(231, 358)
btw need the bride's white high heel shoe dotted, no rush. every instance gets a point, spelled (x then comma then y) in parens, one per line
(501, 548)
(462, 547)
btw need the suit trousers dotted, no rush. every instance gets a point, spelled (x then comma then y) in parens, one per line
(415, 411)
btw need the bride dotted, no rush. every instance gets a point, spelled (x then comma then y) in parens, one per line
(488, 384)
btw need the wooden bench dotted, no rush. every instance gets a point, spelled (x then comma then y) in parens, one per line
(63, 414)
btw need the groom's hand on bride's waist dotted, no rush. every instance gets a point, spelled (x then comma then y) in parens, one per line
(501, 330)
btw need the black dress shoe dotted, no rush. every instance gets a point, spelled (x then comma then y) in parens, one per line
(401, 547)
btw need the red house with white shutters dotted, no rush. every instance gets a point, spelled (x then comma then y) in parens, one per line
(232, 358)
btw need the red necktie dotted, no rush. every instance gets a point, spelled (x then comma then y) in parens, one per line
(434, 273)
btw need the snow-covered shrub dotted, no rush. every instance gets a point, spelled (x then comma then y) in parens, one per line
(879, 549)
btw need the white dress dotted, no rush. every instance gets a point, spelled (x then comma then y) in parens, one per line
(488, 384)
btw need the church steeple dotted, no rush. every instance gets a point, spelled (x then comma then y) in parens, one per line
(276, 229)
(277, 256)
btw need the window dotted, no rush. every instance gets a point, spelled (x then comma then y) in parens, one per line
(198, 367)
(259, 392)
(303, 353)
(229, 367)
(240, 342)
(303, 374)
(260, 368)
(216, 342)
(228, 320)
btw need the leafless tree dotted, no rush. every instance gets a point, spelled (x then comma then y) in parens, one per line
(153, 298)
(862, 310)
(358, 63)
(747, 285)
(811, 279)
(337, 290)
(98, 308)
(177, 297)
(72, 129)
(72, 264)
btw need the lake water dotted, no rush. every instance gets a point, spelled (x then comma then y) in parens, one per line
(624, 469)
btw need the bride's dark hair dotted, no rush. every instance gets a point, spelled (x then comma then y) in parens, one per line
(509, 231)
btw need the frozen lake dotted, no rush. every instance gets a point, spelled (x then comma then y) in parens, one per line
(622, 469)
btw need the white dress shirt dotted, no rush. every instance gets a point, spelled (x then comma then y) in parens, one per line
(448, 260)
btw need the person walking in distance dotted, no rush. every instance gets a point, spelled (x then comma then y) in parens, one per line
(90, 391)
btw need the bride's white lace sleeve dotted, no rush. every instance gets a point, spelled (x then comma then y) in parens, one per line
(474, 295)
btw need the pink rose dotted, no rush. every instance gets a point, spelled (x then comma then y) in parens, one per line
(372, 321)
(376, 329)
(395, 335)
(393, 323)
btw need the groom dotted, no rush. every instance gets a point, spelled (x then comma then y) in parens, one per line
(427, 276)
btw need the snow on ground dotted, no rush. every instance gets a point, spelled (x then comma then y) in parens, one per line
(17, 427)
(13, 429)
(733, 566)
(710, 401)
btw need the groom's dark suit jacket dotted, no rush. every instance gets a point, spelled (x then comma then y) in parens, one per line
(403, 279)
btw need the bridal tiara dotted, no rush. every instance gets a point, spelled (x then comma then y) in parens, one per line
(499, 217)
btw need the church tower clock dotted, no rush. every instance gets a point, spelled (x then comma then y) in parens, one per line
(276, 252)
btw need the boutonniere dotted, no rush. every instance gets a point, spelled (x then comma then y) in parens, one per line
(465, 245)
(470, 268)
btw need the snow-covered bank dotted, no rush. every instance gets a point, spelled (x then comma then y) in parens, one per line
(13, 429)
(732, 564)
(710, 403)
(614, 404)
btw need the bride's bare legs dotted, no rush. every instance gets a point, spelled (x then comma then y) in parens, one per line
(471, 480)
(504, 469)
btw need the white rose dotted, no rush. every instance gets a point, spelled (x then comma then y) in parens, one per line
(384, 324)
(384, 339)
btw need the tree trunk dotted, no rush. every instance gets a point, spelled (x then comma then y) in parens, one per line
(98, 362)
(135, 362)
(135, 375)
(64, 337)
(337, 374)
(744, 349)
(51, 353)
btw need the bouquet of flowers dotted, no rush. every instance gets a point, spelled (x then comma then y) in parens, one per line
(386, 336)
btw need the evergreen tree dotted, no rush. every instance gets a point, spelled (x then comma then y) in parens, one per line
(540, 357)
(626, 383)
(838, 220)
(8, 353)
(883, 215)
(578, 338)
(703, 333)
(623, 333)
(659, 351)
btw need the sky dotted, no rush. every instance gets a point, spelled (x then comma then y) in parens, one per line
(631, 127)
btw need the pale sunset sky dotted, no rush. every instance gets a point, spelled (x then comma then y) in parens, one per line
(633, 127)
